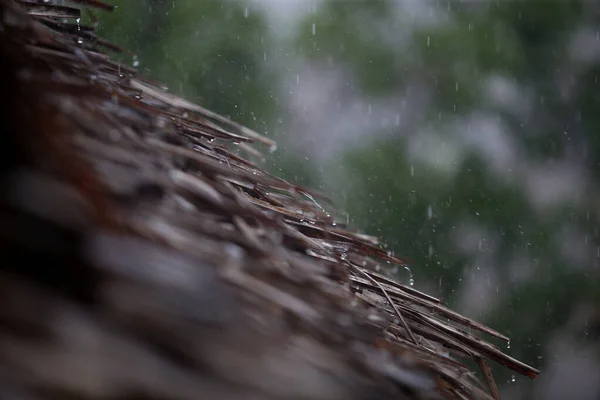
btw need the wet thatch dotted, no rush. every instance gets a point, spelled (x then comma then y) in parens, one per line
(144, 257)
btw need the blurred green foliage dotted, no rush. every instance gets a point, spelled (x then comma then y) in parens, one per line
(211, 51)
(217, 53)
(420, 211)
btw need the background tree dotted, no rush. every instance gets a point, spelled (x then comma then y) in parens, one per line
(200, 49)
(491, 188)
(474, 149)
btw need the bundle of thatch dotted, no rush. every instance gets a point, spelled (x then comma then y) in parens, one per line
(142, 258)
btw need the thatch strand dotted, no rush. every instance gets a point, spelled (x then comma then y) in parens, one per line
(144, 256)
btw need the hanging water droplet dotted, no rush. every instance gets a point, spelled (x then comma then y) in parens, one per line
(411, 280)
(513, 378)
(508, 345)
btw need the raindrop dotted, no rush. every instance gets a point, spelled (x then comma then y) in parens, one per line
(412, 170)
(512, 378)
(79, 40)
(136, 61)
(246, 12)
(314, 29)
(297, 79)
(428, 41)
(429, 212)
(411, 279)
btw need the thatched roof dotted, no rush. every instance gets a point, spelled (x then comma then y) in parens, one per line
(143, 256)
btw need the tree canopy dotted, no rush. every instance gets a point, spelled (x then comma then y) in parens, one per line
(484, 171)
